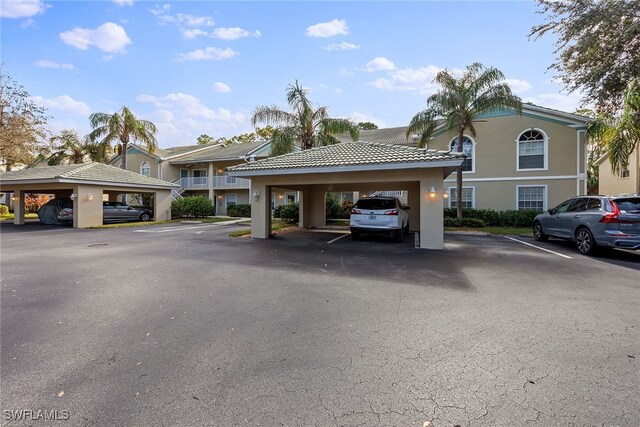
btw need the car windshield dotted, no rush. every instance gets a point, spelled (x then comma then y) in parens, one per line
(628, 205)
(376, 204)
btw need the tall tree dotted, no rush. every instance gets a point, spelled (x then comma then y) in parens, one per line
(305, 125)
(205, 139)
(457, 105)
(68, 147)
(367, 126)
(22, 123)
(122, 128)
(598, 46)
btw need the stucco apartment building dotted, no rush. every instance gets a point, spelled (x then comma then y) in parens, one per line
(201, 170)
(626, 182)
(530, 161)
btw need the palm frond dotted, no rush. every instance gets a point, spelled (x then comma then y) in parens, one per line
(283, 141)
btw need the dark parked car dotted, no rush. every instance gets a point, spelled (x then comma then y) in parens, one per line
(48, 213)
(113, 212)
(592, 221)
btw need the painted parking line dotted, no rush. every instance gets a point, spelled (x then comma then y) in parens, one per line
(538, 247)
(338, 238)
(181, 228)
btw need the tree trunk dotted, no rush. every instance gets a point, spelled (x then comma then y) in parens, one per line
(459, 179)
(123, 157)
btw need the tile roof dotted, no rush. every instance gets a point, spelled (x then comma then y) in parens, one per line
(220, 152)
(383, 136)
(98, 172)
(347, 154)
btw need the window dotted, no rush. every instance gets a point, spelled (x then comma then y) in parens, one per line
(230, 179)
(145, 169)
(468, 149)
(624, 173)
(594, 204)
(346, 197)
(467, 197)
(231, 199)
(292, 197)
(532, 149)
(531, 198)
(578, 205)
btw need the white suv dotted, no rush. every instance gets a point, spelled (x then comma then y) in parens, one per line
(379, 215)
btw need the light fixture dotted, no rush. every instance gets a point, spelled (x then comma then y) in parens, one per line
(256, 195)
(73, 196)
(90, 196)
(445, 195)
(14, 197)
(280, 196)
(432, 191)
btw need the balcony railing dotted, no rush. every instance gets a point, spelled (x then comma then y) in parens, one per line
(219, 182)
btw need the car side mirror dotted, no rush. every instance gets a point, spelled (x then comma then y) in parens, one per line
(551, 211)
(406, 208)
(130, 207)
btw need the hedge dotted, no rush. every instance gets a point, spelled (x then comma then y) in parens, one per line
(192, 207)
(466, 222)
(4, 210)
(509, 218)
(289, 212)
(241, 210)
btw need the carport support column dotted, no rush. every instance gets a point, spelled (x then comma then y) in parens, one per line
(18, 207)
(413, 200)
(162, 205)
(431, 210)
(318, 214)
(87, 207)
(210, 180)
(260, 209)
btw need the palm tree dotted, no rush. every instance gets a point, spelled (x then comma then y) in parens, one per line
(68, 148)
(624, 137)
(122, 128)
(305, 125)
(457, 105)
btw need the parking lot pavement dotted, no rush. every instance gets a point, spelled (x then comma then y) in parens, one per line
(196, 328)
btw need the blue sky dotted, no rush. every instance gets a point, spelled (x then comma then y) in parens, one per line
(195, 67)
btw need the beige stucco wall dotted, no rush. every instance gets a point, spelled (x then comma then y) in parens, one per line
(496, 149)
(135, 159)
(611, 184)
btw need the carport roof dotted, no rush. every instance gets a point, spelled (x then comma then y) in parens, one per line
(350, 156)
(90, 173)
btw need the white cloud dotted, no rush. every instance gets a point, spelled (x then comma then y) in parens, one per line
(192, 33)
(108, 37)
(183, 19)
(21, 8)
(345, 72)
(46, 63)
(233, 33)
(328, 29)
(221, 87)
(207, 54)
(123, 2)
(181, 118)
(558, 101)
(341, 46)
(64, 103)
(380, 63)
(418, 80)
(518, 86)
(362, 117)
(160, 9)
(27, 23)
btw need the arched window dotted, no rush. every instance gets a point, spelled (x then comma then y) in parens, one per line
(145, 169)
(532, 150)
(468, 148)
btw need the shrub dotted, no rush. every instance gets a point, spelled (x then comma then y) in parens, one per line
(33, 201)
(345, 209)
(333, 208)
(466, 222)
(241, 210)
(290, 212)
(508, 218)
(192, 207)
(4, 210)
(277, 211)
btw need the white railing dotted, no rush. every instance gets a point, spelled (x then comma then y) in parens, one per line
(388, 194)
(219, 182)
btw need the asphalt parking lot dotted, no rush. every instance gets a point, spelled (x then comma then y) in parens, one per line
(181, 325)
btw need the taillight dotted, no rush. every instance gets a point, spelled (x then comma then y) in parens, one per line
(392, 212)
(355, 212)
(611, 217)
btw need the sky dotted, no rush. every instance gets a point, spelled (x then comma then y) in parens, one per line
(202, 67)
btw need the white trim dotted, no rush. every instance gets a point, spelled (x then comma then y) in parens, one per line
(545, 195)
(473, 195)
(159, 170)
(9, 184)
(196, 150)
(473, 151)
(520, 178)
(226, 199)
(546, 151)
(349, 168)
(286, 196)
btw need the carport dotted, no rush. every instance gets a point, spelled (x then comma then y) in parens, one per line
(85, 184)
(354, 166)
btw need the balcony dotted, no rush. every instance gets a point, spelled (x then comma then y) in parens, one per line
(219, 183)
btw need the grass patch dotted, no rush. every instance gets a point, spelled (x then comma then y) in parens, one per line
(343, 222)
(135, 224)
(11, 216)
(496, 230)
(208, 220)
(275, 226)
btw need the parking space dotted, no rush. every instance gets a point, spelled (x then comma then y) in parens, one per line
(192, 327)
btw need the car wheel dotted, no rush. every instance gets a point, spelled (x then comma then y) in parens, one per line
(355, 235)
(398, 235)
(538, 234)
(145, 217)
(406, 228)
(584, 242)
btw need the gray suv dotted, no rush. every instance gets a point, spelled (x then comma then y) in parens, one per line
(592, 221)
